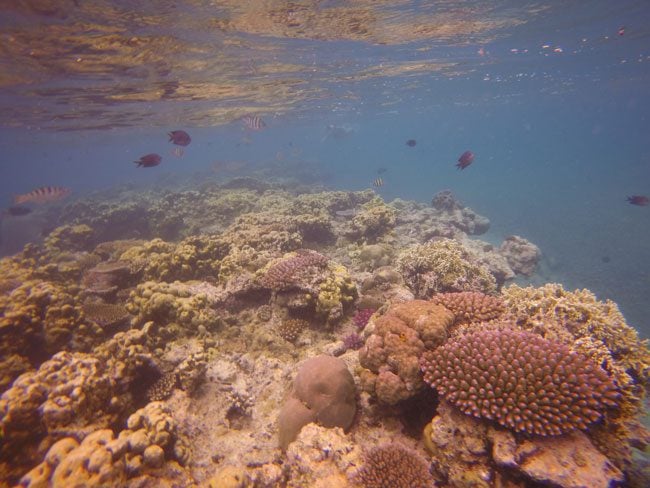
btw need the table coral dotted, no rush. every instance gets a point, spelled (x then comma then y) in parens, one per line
(443, 266)
(597, 329)
(395, 343)
(520, 380)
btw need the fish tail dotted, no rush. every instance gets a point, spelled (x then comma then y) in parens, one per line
(138, 163)
(18, 199)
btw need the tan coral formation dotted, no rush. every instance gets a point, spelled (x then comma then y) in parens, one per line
(394, 344)
(100, 459)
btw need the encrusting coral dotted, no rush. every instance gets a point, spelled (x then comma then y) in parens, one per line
(520, 380)
(443, 266)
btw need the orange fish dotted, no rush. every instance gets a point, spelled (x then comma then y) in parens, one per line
(43, 194)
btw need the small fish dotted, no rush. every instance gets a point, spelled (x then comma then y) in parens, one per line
(621, 31)
(18, 211)
(149, 160)
(381, 170)
(177, 152)
(253, 122)
(43, 194)
(411, 142)
(377, 182)
(640, 200)
(180, 138)
(465, 160)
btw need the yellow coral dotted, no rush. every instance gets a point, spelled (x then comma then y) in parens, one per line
(69, 238)
(335, 294)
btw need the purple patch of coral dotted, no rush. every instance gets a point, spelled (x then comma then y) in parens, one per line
(362, 316)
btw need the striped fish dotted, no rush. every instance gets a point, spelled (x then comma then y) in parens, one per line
(43, 194)
(377, 182)
(253, 122)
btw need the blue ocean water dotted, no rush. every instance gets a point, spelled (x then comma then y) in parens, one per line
(552, 97)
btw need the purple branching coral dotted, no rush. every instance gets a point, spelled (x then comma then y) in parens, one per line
(353, 341)
(362, 316)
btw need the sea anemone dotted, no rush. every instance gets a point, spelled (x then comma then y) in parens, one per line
(521, 381)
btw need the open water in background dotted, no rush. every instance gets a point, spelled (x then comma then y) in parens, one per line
(552, 99)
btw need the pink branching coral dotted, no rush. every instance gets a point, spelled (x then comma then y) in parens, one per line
(362, 316)
(520, 380)
(471, 306)
(283, 272)
(395, 466)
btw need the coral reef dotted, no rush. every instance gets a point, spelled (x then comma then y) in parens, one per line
(69, 238)
(394, 344)
(70, 394)
(393, 465)
(106, 278)
(323, 392)
(471, 306)
(445, 200)
(309, 285)
(374, 221)
(195, 257)
(100, 459)
(443, 266)
(522, 255)
(521, 381)
(175, 308)
(291, 329)
(107, 315)
(361, 317)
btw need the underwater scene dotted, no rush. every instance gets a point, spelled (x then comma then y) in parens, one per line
(364, 244)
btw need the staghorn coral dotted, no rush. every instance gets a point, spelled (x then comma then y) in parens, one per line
(393, 465)
(291, 329)
(443, 266)
(471, 306)
(520, 380)
(394, 345)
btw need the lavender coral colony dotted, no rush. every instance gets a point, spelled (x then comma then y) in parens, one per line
(521, 381)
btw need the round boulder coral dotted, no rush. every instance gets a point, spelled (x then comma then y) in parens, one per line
(395, 466)
(520, 380)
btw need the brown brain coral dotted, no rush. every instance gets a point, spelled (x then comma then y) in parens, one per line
(520, 380)
(395, 466)
(470, 306)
